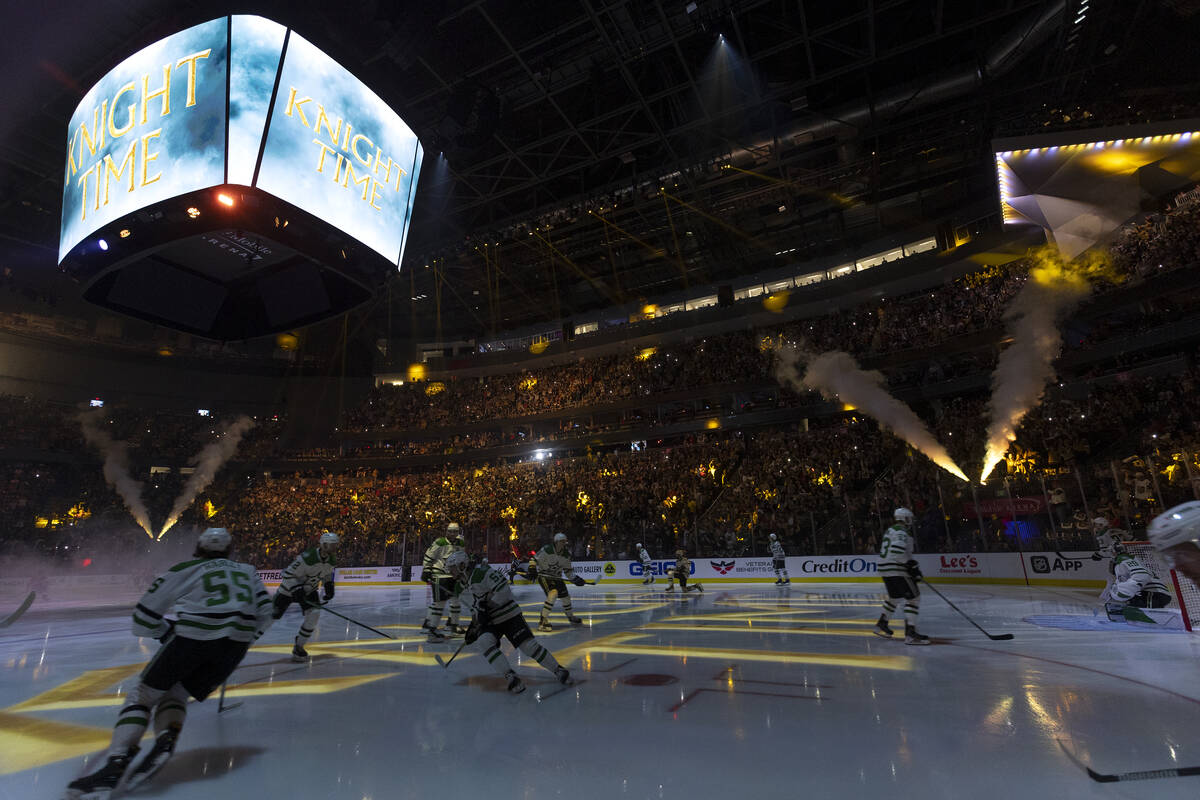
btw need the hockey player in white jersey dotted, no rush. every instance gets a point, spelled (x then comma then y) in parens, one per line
(779, 562)
(900, 574)
(310, 569)
(1175, 533)
(647, 564)
(496, 613)
(433, 572)
(1131, 584)
(680, 571)
(220, 607)
(552, 565)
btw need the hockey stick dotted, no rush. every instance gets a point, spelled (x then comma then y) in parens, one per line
(1145, 775)
(221, 702)
(14, 616)
(1001, 637)
(446, 662)
(324, 607)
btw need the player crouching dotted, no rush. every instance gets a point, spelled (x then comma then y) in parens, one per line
(497, 614)
(222, 607)
(680, 572)
(1131, 584)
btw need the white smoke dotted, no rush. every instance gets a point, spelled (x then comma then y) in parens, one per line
(208, 463)
(837, 376)
(116, 465)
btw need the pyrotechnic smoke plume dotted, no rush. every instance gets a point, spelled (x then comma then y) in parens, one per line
(836, 375)
(208, 462)
(116, 466)
(1027, 366)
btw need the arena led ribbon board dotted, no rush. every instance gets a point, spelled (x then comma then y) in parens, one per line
(1081, 186)
(232, 180)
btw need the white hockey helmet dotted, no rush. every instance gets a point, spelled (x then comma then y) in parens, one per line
(903, 515)
(560, 538)
(1099, 524)
(457, 563)
(772, 537)
(215, 540)
(638, 545)
(1176, 525)
(453, 529)
(328, 540)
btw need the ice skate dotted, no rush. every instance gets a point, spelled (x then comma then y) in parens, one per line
(101, 783)
(574, 620)
(158, 756)
(514, 683)
(454, 629)
(564, 676)
(544, 625)
(911, 636)
(432, 634)
(299, 654)
(882, 629)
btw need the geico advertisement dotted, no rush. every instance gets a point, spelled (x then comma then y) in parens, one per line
(336, 150)
(638, 570)
(152, 128)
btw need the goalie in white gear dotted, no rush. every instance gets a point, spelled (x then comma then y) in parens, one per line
(433, 572)
(900, 574)
(1175, 534)
(310, 569)
(1132, 584)
(779, 562)
(647, 564)
(220, 607)
(496, 613)
(551, 564)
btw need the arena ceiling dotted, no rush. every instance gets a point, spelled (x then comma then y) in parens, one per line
(589, 153)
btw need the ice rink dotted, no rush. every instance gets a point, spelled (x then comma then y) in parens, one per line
(747, 688)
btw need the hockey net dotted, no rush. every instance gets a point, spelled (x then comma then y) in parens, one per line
(1187, 594)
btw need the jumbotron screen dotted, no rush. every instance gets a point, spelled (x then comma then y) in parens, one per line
(240, 100)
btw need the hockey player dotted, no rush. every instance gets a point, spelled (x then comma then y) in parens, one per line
(1175, 534)
(434, 573)
(299, 584)
(647, 565)
(221, 607)
(497, 614)
(900, 574)
(1132, 584)
(552, 565)
(679, 572)
(1106, 537)
(778, 561)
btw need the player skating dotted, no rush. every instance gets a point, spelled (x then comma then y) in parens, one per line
(221, 607)
(679, 572)
(779, 562)
(497, 614)
(900, 574)
(647, 565)
(1132, 584)
(552, 565)
(433, 572)
(299, 584)
(1175, 534)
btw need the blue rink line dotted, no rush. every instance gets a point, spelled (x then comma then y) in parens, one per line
(1078, 622)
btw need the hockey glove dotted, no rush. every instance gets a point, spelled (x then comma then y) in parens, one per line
(281, 602)
(473, 630)
(328, 591)
(914, 569)
(578, 581)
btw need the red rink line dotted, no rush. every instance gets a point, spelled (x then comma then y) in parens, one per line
(723, 676)
(1080, 666)
(688, 697)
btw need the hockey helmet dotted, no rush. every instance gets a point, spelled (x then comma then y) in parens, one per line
(457, 563)
(772, 537)
(560, 541)
(1099, 524)
(638, 545)
(679, 553)
(453, 529)
(215, 540)
(903, 515)
(328, 541)
(1176, 525)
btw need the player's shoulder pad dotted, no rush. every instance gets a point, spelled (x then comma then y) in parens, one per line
(310, 556)
(441, 541)
(181, 566)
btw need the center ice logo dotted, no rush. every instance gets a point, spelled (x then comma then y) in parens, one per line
(722, 567)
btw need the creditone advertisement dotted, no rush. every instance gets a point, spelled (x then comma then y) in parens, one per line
(151, 129)
(240, 100)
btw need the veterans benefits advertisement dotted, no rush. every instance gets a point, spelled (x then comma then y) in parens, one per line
(156, 127)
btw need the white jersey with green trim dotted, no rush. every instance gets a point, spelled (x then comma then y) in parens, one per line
(895, 550)
(777, 549)
(486, 592)
(308, 571)
(435, 557)
(643, 555)
(552, 565)
(214, 598)
(1130, 578)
